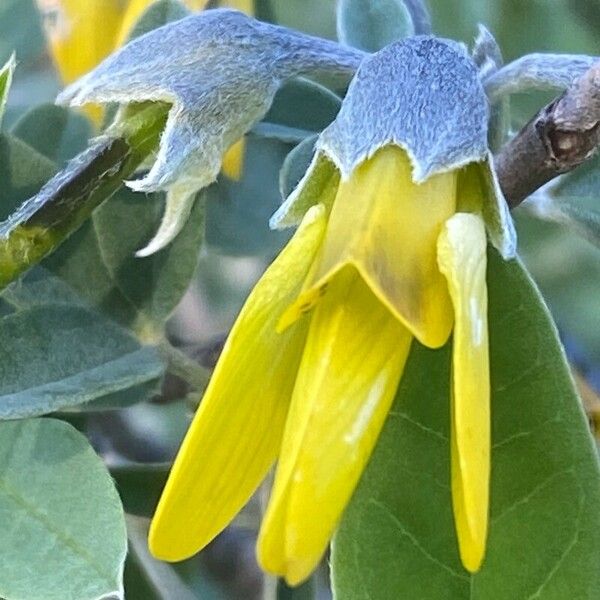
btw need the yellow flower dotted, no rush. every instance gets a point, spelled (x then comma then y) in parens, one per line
(314, 360)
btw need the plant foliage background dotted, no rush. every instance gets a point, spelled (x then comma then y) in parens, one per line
(118, 347)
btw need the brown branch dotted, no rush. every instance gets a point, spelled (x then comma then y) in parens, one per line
(560, 137)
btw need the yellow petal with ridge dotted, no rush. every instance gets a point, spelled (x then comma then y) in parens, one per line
(387, 226)
(353, 360)
(236, 433)
(462, 259)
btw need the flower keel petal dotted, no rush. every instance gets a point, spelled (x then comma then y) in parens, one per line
(353, 360)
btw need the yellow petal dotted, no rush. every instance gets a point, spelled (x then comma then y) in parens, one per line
(470, 189)
(352, 363)
(134, 10)
(81, 33)
(387, 227)
(462, 259)
(233, 160)
(236, 433)
(246, 6)
(196, 4)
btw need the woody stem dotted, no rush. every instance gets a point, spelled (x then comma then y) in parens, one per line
(562, 135)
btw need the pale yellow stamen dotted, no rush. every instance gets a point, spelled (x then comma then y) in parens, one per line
(462, 259)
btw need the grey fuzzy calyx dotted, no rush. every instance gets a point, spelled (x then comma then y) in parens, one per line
(423, 94)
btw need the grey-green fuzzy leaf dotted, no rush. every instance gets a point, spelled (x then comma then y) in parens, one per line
(56, 353)
(237, 212)
(63, 531)
(99, 261)
(572, 200)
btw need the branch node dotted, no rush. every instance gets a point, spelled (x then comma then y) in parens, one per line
(563, 135)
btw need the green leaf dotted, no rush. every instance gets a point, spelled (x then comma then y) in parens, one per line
(316, 16)
(162, 580)
(6, 75)
(281, 133)
(142, 392)
(304, 105)
(57, 353)
(397, 538)
(371, 25)
(264, 11)
(567, 269)
(572, 200)
(563, 210)
(306, 591)
(238, 212)
(555, 247)
(158, 14)
(54, 131)
(582, 183)
(63, 531)
(22, 172)
(99, 261)
(20, 30)
(300, 109)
